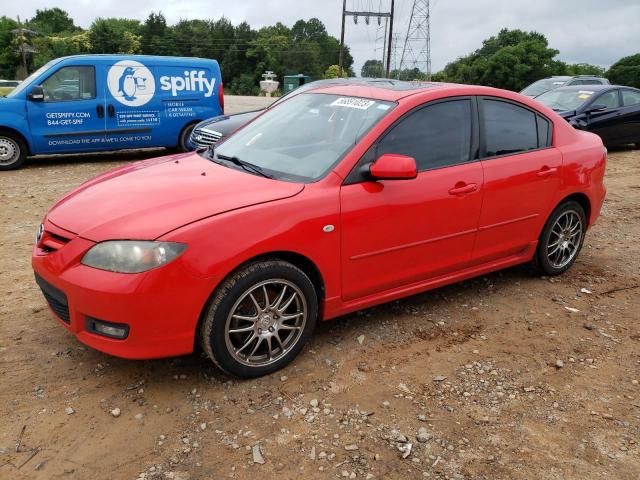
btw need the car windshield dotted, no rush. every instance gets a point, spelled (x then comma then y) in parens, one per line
(305, 136)
(25, 83)
(563, 100)
(542, 86)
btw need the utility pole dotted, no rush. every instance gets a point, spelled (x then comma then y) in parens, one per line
(390, 37)
(417, 44)
(341, 61)
(367, 16)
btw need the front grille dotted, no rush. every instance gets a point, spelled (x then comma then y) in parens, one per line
(201, 138)
(56, 299)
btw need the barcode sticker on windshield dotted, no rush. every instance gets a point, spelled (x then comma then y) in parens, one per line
(352, 102)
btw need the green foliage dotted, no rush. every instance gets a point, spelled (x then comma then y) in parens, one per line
(52, 21)
(626, 71)
(9, 58)
(372, 69)
(513, 59)
(115, 35)
(585, 69)
(333, 71)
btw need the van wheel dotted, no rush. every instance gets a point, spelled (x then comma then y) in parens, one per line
(183, 141)
(13, 151)
(562, 239)
(259, 318)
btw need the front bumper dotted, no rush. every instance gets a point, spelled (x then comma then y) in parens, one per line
(161, 307)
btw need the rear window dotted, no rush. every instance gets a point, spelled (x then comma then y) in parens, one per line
(508, 128)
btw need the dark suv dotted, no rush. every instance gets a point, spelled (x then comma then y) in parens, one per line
(546, 84)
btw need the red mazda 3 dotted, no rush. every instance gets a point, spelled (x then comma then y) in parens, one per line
(336, 200)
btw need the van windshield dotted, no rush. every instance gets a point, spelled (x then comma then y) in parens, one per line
(302, 138)
(27, 81)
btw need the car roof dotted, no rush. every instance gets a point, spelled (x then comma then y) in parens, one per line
(377, 88)
(142, 58)
(576, 88)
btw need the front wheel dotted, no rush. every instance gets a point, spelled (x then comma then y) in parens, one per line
(561, 239)
(13, 151)
(259, 318)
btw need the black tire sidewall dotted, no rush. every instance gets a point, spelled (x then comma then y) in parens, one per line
(222, 302)
(184, 137)
(23, 151)
(541, 252)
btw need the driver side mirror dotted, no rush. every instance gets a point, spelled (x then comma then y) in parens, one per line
(36, 94)
(595, 108)
(390, 166)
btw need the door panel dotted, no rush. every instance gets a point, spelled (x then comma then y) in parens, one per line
(630, 116)
(398, 232)
(607, 123)
(71, 117)
(518, 190)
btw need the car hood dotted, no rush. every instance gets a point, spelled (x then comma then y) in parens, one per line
(147, 199)
(226, 124)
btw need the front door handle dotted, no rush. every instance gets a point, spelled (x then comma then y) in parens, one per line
(461, 188)
(546, 171)
(111, 110)
(100, 111)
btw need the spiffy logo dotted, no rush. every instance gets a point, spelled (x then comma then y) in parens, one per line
(131, 83)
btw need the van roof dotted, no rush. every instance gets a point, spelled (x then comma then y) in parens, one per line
(141, 58)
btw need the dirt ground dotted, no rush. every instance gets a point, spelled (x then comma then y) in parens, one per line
(507, 376)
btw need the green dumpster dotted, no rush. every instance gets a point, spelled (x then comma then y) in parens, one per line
(291, 82)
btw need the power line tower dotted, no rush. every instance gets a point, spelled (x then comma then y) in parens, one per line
(367, 16)
(22, 41)
(416, 52)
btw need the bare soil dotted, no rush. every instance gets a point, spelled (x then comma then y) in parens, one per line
(505, 380)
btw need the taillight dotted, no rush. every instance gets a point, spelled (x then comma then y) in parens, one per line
(221, 97)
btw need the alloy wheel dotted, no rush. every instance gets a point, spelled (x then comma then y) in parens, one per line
(265, 322)
(564, 239)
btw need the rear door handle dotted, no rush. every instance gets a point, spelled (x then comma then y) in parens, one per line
(462, 188)
(100, 110)
(547, 172)
(111, 110)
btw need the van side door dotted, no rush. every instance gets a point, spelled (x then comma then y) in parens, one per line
(132, 105)
(71, 116)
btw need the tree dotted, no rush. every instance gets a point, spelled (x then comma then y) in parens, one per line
(626, 71)
(156, 37)
(372, 69)
(51, 21)
(9, 58)
(115, 35)
(333, 71)
(585, 69)
(511, 60)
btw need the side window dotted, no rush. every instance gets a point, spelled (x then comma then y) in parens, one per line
(508, 128)
(70, 83)
(609, 99)
(544, 132)
(575, 82)
(592, 82)
(437, 135)
(630, 97)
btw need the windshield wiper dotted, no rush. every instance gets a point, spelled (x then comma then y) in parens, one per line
(249, 167)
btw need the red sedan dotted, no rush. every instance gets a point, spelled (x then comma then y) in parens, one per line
(336, 200)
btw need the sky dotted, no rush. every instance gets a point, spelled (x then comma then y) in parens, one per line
(590, 31)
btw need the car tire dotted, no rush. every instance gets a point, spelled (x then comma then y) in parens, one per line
(248, 336)
(13, 151)
(561, 239)
(184, 138)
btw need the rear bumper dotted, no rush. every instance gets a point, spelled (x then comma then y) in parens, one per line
(160, 307)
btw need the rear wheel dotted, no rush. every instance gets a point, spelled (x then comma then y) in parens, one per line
(259, 318)
(183, 140)
(561, 239)
(13, 151)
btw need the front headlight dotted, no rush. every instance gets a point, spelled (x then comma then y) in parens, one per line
(131, 256)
